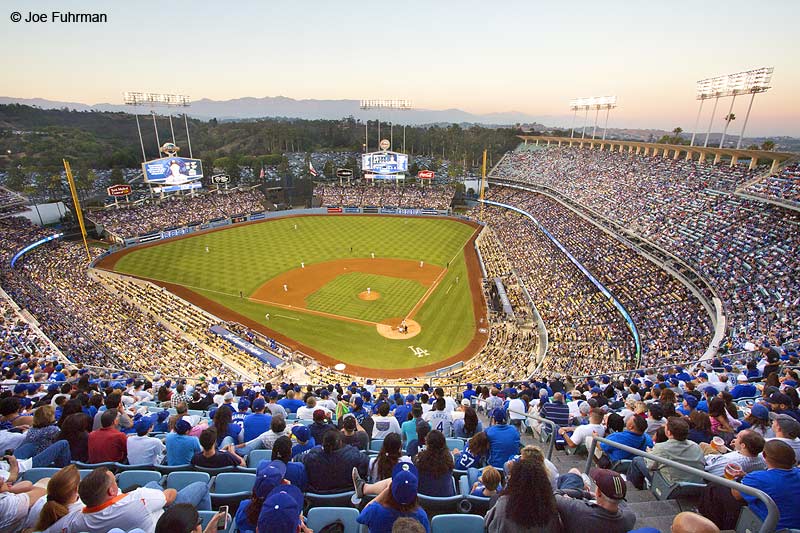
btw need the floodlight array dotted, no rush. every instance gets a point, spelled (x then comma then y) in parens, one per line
(175, 100)
(593, 102)
(749, 81)
(402, 105)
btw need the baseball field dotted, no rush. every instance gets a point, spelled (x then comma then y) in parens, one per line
(387, 296)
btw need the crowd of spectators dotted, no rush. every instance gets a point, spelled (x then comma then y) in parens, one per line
(174, 211)
(320, 437)
(11, 202)
(747, 249)
(585, 331)
(783, 186)
(672, 324)
(385, 195)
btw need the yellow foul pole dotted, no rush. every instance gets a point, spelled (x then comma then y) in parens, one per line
(77, 204)
(483, 179)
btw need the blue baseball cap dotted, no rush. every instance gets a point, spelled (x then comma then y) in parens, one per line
(404, 483)
(162, 415)
(410, 398)
(244, 404)
(269, 475)
(690, 400)
(499, 416)
(281, 510)
(273, 394)
(301, 433)
(20, 387)
(182, 427)
(710, 391)
(595, 389)
(702, 375)
(358, 401)
(143, 425)
(759, 411)
(259, 404)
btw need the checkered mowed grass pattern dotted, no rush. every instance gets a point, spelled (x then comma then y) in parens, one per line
(242, 258)
(340, 296)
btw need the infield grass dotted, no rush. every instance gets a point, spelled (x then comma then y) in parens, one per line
(242, 258)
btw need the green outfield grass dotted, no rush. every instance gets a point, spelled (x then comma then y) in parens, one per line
(242, 258)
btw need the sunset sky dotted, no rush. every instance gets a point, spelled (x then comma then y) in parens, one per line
(479, 56)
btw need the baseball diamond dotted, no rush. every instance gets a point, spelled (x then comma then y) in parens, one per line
(327, 296)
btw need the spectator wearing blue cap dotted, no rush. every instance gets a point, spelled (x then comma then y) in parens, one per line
(256, 422)
(269, 474)
(181, 447)
(402, 412)
(503, 438)
(688, 404)
(758, 421)
(709, 393)
(304, 440)
(142, 449)
(357, 409)
(282, 510)
(397, 500)
(469, 392)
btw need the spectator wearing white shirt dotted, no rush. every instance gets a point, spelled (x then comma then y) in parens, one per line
(581, 435)
(438, 418)
(384, 422)
(306, 412)
(144, 450)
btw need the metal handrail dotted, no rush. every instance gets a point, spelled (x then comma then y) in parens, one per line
(552, 443)
(770, 522)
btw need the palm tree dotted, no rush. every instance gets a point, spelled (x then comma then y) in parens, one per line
(768, 145)
(730, 118)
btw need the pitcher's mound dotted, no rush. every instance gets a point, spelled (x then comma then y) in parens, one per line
(369, 296)
(388, 328)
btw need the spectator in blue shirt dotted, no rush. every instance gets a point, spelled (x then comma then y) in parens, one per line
(256, 422)
(503, 440)
(180, 446)
(743, 389)
(781, 482)
(290, 404)
(633, 436)
(469, 392)
(708, 394)
(401, 412)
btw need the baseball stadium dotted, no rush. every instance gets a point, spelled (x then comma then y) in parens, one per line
(280, 315)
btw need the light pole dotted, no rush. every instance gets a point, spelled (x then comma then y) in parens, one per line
(379, 104)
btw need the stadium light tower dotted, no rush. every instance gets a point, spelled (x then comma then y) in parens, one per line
(152, 100)
(392, 105)
(746, 82)
(597, 103)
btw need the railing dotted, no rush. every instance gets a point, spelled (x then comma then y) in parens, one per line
(770, 522)
(554, 427)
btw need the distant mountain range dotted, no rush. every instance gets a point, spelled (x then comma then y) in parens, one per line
(280, 106)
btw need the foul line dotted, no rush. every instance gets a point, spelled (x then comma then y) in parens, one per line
(275, 304)
(438, 279)
(289, 317)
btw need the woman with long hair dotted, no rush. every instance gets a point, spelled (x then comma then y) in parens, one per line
(380, 467)
(227, 431)
(409, 427)
(526, 504)
(468, 426)
(435, 465)
(475, 454)
(75, 430)
(62, 499)
(295, 472)
(397, 499)
(720, 425)
(699, 427)
(71, 407)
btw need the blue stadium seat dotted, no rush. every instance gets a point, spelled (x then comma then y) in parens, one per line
(216, 471)
(178, 480)
(457, 523)
(256, 456)
(231, 488)
(376, 445)
(35, 474)
(337, 499)
(166, 470)
(89, 466)
(319, 517)
(663, 490)
(453, 443)
(120, 467)
(435, 505)
(137, 477)
(472, 504)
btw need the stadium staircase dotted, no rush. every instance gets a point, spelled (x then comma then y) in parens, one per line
(650, 512)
